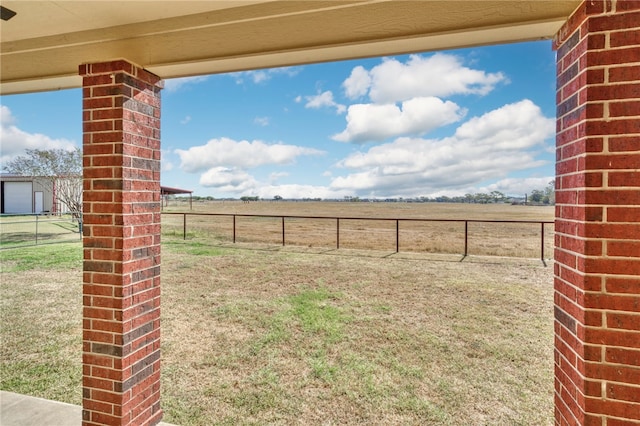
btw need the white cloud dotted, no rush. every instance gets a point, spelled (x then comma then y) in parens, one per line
(324, 100)
(166, 164)
(14, 141)
(237, 182)
(374, 122)
(358, 83)
(229, 179)
(277, 175)
(487, 147)
(518, 186)
(185, 120)
(436, 75)
(514, 126)
(225, 152)
(174, 84)
(261, 121)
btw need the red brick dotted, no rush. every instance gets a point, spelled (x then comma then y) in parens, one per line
(625, 178)
(613, 372)
(624, 248)
(624, 73)
(614, 337)
(623, 356)
(612, 56)
(624, 143)
(612, 198)
(628, 5)
(615, 231)
(613, 408)
(614, 127)
(117, 177)
(624, 109)
(624, 321)
(629, 285)
(621, 21)
(620, 303)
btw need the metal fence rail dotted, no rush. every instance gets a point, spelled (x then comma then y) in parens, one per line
(33, 229)
(339, 220)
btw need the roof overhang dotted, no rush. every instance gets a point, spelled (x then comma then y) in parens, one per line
(166, 190)
(45, 42)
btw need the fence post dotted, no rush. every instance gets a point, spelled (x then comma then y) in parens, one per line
(542, 241)
(234, 229)
(36, 230)
(184, 226)
(282, 231)
(397, 235)
(337, 233)
(466, 237)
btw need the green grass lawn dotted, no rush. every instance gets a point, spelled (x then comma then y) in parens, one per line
(16, 231)
(277, 336)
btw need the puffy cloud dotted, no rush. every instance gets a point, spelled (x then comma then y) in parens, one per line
(238, 182)
(358, 83)
(374, 122)
(436, 75)
(229, 179)
(486, 147)
(16, 141)
(225, 152)
(224, 163)
(514, 126)
(324, 100)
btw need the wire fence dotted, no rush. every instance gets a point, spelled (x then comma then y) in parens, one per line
(33, 229)
(515, 238)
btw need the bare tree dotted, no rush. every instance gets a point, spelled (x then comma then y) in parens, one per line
(59, 169)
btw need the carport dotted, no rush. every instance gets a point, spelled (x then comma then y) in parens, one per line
(166, 190)
(119, 52)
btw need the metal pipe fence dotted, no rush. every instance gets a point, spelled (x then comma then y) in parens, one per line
(341, 220)
(33, 229)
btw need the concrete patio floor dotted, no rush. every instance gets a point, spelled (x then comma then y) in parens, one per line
(23, 410)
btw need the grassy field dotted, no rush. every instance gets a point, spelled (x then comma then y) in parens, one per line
(281, 336)
(492, 239)
(28, 230)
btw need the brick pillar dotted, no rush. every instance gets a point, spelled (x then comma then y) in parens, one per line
(597, 269)
(121, 207)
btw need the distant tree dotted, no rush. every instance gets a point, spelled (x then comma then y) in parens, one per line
(277, 198)
(61, 171)
(497, 196)
(536, 196)
(550, 193)
(482, 198)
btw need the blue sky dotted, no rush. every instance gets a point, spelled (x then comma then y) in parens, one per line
(429, 124)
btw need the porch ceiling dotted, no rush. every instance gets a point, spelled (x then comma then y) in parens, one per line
(43, 44)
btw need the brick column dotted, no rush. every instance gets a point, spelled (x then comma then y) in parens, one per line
(121, 208)
(597, 269)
